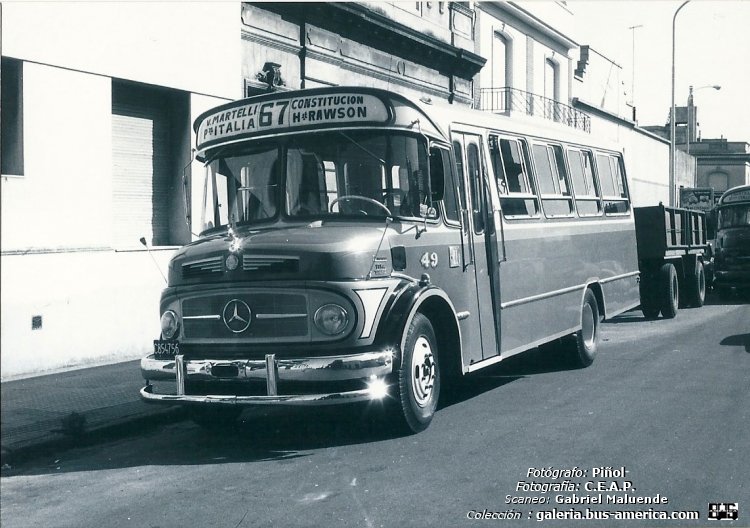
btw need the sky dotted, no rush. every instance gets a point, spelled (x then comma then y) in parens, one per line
(712, 48)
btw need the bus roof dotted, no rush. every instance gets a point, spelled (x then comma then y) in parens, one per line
(348, 107)
(313, 109)
(734, 195)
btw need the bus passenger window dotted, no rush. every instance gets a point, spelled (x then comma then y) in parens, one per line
(553, 181)
(475, 177)
(582, 176)
(510, 160)
(612, 180)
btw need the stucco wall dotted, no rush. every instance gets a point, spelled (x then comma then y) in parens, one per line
(192, 46)
(96, 304)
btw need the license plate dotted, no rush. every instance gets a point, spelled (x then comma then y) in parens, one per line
(166, 349)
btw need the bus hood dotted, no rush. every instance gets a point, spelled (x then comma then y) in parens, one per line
(315, 251)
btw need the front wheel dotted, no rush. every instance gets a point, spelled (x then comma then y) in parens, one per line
(582, 346)
(419, 375)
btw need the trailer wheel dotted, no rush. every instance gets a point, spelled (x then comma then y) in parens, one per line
(669, 289)
(418, 376)
(697, 286)
(581, 347)
(649, 301)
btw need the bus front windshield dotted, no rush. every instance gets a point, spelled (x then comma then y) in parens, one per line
(350, 174)
(734, 216)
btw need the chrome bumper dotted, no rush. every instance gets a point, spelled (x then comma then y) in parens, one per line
(367, 365)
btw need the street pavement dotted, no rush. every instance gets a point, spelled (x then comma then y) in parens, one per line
(669, 399)
(72, 408)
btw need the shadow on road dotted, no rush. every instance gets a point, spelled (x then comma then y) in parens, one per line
(270, 434)
(737, 340)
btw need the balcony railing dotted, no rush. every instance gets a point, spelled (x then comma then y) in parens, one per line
(514, 100)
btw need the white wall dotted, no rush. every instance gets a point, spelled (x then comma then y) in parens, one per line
(646, 160)
(63, 199)
(192, 46)
(97, 305)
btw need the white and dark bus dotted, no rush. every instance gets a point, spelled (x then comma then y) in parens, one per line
(357, 245)
(732, 243)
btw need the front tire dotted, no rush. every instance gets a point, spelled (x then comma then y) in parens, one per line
(418, 376)
(583, 345)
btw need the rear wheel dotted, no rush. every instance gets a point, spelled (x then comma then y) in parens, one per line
(697, 286)
(418, 376)
(669, 290)
(582, 346)
(649, 301)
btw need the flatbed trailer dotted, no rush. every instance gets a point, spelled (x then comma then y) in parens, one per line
(672, 250)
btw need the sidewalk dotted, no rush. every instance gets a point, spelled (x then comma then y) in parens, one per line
(37, 413)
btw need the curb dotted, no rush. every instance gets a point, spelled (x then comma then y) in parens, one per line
(105, 430)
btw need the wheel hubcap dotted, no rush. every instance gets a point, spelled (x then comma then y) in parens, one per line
(422, 371)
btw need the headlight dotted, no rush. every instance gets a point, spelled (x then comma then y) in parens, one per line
(331, 319)
(169, 324)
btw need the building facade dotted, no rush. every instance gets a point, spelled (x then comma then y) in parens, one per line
(98, 101)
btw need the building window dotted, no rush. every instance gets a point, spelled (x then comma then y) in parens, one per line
(551, 89)
(11, 117)
(719, 181)
(501, 60)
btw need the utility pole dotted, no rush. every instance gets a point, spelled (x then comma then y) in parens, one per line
(632, 71)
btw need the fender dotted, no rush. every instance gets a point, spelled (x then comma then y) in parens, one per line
(398, 316)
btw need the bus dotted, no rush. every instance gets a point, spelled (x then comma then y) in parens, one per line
(732, 246)
(356, 245)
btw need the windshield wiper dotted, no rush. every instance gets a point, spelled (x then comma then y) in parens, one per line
(363, 149)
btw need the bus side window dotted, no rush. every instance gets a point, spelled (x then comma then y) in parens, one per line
(553, 180)
(475, 179)
(510, 163)
(440, 168)
(458, 153)
(612, 181)
(582, 176)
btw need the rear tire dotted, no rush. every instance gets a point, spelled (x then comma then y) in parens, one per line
(582, 346)
(669, 290)
(649, 301)
(418, 376)
(697, 291)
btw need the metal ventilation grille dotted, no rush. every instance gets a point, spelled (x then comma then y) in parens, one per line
(270, 263)
(202, 267)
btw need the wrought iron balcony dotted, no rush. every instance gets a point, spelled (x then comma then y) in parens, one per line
(506, 100)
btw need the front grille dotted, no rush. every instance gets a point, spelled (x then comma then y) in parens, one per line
(272, 315)
(202, 268)
(270, 263)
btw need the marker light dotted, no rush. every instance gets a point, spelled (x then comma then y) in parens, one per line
(331, 319)
(169, 324)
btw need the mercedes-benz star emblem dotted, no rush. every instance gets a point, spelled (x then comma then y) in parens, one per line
(237, 316)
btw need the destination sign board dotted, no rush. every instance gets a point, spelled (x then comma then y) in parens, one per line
(739, 196)
(287, 114)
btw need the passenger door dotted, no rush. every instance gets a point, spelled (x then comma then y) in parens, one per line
(482, 244)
